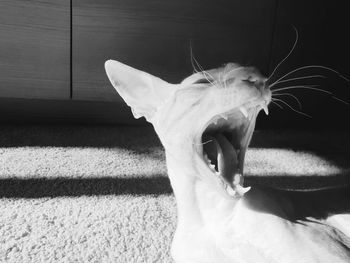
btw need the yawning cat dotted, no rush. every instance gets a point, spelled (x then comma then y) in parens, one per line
(205, 124)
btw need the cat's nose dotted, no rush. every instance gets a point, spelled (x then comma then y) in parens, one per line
(260, 85)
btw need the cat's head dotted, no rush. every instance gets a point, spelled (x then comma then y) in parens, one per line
(210, 114)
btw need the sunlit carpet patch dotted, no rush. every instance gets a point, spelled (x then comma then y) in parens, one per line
(281, 162)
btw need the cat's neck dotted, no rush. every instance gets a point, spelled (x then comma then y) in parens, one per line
(199, 203)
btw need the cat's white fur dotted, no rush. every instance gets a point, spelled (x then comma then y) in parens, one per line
(217, 222)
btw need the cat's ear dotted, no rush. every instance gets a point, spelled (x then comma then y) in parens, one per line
(140, 90)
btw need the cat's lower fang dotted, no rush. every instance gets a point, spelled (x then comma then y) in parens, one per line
(237, 191)
(242, 190)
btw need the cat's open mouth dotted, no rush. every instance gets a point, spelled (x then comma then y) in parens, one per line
(225, 140)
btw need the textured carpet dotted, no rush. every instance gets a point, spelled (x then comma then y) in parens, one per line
(101, 194)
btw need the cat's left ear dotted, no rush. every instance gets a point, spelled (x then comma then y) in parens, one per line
(140, 90)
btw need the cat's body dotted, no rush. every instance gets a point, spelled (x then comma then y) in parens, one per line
(264, 225)
(205, 124)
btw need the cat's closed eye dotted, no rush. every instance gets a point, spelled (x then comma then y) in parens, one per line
(203, 81)
(250, 81)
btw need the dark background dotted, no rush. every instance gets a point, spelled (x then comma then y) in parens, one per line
(52, 53)
(322, 41)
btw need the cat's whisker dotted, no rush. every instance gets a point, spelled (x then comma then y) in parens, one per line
(291, 95)
(343, 101)
(198, 65)
(289, 53)
(222, 81)
(274, 102)
(205, 73)
(202, 142)
(306, 87)
(311, 87)
(310, 66)
(192, 57)
(297, 111)
(292, 79)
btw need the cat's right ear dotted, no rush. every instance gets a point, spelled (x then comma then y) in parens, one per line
(140, 90)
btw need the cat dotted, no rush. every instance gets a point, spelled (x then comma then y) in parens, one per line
(205, 124)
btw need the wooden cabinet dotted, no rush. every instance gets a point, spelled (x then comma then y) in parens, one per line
(155, 36)
(35, 49)
(56, 49)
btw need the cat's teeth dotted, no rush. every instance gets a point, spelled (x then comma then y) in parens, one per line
(266, 110)
(238, 188)
(212, 167)
(237, 191)
(230, 191)
(242, 190)
(244, 111)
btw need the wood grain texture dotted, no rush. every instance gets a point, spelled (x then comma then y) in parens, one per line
(155, 36)
(35, 49)
(323, 40)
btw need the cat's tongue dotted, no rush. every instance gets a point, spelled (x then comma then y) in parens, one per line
(221, 151)
(226, 157)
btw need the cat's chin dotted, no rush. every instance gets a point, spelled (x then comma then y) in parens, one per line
(224, 142)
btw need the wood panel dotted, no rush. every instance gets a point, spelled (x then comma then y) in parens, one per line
(37, 111)
(323, 40)
(155, 36)
(35, 49)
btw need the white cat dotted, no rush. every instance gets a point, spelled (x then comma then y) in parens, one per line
(205, 124)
